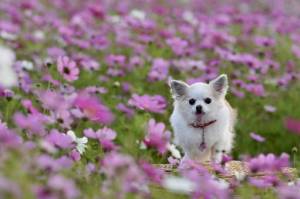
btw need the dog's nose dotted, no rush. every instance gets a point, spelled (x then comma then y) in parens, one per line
(198, 109)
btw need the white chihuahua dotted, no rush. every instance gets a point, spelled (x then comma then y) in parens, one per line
(202, 119)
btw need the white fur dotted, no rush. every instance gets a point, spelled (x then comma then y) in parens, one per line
(219, 135)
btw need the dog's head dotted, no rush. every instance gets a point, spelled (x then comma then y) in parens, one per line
(199, 102)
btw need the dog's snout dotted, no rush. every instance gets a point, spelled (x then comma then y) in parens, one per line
(199, 109)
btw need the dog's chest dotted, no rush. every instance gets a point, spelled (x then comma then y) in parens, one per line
(191, 138)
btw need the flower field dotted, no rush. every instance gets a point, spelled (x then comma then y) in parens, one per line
(85, 101)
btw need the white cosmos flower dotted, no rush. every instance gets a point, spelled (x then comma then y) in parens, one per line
(174, 151)
(8, 36)
(8, 77)
(114, 19)
(39, 35)
(270, 108)
(138, 14)
(27, 65)
(189, 17)
(178, 184)
(81, 142)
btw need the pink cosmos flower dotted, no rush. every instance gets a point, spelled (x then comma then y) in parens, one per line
(34, 123)
(256, 89)
(159, 70)
(9, 188)
(178, 45)
(257, 137)
(113, 60)
(122, 170)
(75, 155)
(55, 52)
(105, 136)
(155, 104)
(64, 186)
(296, 51)
(204, 185)
(28, 105)
(157, 137)
(47, 162)
(289, 191)
(53, 100)
(86, 62)
(50, 79)
(59, 140)
(94, 109)
(263, 182)
(268, 162)
(153, 173)
(67, 68)
(99, 42)
(8, 138)
(128, 111)
(292, 125)
(264, 41)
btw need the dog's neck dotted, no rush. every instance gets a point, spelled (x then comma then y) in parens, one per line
(204, 125)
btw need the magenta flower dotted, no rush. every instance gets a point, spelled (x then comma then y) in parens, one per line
(34, 123)
(59, 140)
(67, 68)
(256, 89)
(178, 45)
(296, 51)
(204, 185)
(29, 107)
(113, 60)
(153, 173)
(289, 191)
(260, 183)
(155, 104)
(8, 138)
(9, 188)
(55, 52)
(99, 42)
(257, 137)
(105, 137)
(292, 125)
(63, 185)
(121, 170)
(264, 41)
(159, 70)
(94, 109)
(157, 137)
(75, 155)
(128, 111)
(46, 162)
(54, 101)
(268, 162)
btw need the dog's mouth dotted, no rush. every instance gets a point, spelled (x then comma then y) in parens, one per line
(199, 124)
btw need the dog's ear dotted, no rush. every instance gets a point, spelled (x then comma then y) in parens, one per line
(220, 85)
(178, 88)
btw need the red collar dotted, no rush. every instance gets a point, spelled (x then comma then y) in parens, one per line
(203, 125)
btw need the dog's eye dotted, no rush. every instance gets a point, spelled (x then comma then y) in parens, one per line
(192, 101)
(207, 100)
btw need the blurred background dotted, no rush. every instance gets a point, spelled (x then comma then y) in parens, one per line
(70, 65)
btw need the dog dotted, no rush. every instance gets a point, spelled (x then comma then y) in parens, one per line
(202, 120)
